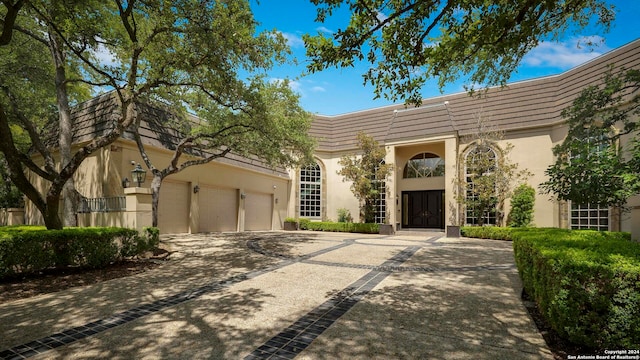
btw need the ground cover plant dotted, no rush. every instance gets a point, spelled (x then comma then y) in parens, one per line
(31, 249)
(585, 283)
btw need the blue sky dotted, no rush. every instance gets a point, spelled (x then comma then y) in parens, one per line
(338, 91)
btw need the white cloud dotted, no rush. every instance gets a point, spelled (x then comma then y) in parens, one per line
(294, 85)
(565, 54)
(318, 89)
(324, 30)
(292, 39)
(104, 56)
(381, 16)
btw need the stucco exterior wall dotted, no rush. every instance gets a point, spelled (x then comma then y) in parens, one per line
(339, 193)
(101, 175)
(532, 151)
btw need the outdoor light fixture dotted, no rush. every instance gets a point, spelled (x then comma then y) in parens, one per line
(243, 195)
(196, 189)
(138, 174)
(125, 183)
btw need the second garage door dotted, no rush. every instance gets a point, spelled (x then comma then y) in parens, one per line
(218, 209)
(257, 211)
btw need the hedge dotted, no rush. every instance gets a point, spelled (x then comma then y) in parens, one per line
(367, 228)
(30, 249)
(586, 283)
(486, 232)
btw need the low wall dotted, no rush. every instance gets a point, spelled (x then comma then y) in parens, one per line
(11, 216)
(102, 219)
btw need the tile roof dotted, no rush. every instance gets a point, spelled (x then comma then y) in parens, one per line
(159, 127)
(524, 104)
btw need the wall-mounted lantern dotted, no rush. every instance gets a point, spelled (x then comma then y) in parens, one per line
(138, 174)
(125, 183)
(196, 189)
(243, 196)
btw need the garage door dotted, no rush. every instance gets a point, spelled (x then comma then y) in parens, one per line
(218, 209)
(257, 211)
(173, 209)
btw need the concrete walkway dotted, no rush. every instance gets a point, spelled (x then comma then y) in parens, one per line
(280, 295)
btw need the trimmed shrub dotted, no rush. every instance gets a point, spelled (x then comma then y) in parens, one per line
(522, 201)
(366, 228)
(586, 283)
(29, 249)
(486, 232)
(304, 224)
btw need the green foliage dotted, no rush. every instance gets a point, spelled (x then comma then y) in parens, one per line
(486, 232)
(29, 249)
(366, 228)
(365, 173)
(599, 160)
(304, 224)
(586, 283)
(290, 220)
(344, 216)
(10, 196)
(408, 43)
(522, 201)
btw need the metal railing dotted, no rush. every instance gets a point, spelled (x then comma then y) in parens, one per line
(103, 204)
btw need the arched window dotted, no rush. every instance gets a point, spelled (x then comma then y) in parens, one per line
(310, 192)
(481, 200)
(424, 165)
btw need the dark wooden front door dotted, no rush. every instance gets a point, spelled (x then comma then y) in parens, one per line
(423, 209)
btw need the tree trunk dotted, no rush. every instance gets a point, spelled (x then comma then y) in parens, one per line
(155, 198)
(14, 164)
(50, 214)
(70, 205)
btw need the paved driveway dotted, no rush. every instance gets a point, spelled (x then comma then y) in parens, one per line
(294, 294)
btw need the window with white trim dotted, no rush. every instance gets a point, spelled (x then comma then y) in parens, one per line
(381, 203)
(589, 217)
(424, 165)
(481, 160)
(310, 192)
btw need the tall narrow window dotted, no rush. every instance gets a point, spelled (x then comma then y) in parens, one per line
(381, 203)
(481, 200)
(310, 192)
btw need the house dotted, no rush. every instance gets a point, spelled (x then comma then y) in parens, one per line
(428, 146)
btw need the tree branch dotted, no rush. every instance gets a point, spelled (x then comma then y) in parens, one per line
(8, 24)
(35, 140)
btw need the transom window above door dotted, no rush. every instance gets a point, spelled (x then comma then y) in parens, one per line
(424, 165)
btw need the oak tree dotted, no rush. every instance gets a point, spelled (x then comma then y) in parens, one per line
(408, 42)
(190, 55)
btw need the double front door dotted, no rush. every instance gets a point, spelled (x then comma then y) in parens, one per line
(423, 209)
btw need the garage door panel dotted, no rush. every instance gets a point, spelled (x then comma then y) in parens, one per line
(257, 211)
(173, 209)
(218, 209)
